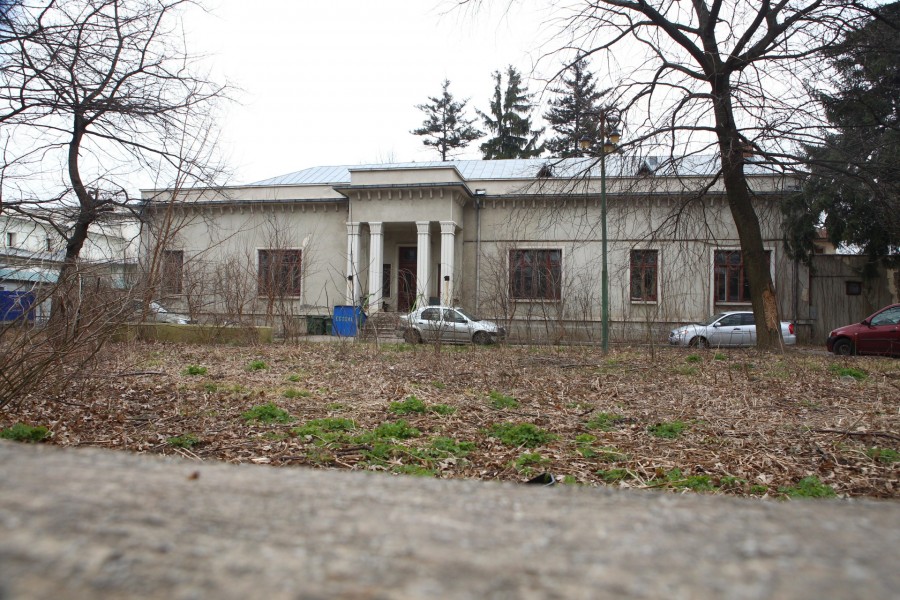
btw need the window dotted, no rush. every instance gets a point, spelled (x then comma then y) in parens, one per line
(731, 283)
(854, 288)
(643, 275)
(535, 274)
(171, 271)
(431, 314)
(10, 239)
(279, 272)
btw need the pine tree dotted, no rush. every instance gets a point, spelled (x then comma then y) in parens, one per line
(445, 126)
(573, 113)
(510, 120)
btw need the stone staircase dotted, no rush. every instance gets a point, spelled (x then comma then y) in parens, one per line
(382, 326)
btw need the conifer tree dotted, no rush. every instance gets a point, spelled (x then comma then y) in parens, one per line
(509, 120)
(573, 113)
(446, 128)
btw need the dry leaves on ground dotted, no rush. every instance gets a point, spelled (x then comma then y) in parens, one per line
(733, 422)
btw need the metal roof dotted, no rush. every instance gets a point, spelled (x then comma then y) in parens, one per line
(473, 170)
(28, 274)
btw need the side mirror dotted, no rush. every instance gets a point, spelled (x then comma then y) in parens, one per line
(717, 324)
(865, 322)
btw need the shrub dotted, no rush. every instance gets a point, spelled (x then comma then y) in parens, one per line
(408, 406)
(669, 430)
(521, 434)
(500, 401)
(267, 413)
(25, 433)
(808, 487)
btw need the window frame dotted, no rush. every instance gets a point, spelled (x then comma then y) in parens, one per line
(171, 277)
(743, 298)
(264, 280)
(642, 268)
(551, 273)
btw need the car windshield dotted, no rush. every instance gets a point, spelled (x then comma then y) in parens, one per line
(466, 315)
(712, 319)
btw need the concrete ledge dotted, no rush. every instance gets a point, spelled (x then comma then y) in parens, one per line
(99, 524)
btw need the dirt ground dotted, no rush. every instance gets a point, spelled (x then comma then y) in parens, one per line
(730, 422)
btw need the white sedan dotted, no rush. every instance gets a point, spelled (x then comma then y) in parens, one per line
(448, 324)
(735, 328)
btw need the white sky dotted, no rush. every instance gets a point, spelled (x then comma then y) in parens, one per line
(328, 82)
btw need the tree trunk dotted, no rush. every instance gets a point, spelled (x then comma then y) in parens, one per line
(762, 288)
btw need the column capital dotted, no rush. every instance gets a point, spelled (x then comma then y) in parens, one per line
(423, 226)
(448, 226)
(352, 227)
(376, 227)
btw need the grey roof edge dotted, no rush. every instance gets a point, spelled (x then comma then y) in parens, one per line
(403, 186)
(244, 202)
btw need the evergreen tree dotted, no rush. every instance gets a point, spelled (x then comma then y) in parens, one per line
(854, 180)
(445, 126)
(509, 120)
(573, 113)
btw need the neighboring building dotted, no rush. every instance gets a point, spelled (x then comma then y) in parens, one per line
(518, 241)
(32, 252)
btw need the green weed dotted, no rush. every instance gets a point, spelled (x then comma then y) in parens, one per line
(25, 433)
(521, 434)
(613, 475)
(320, 427)
(603, 421)
(670, 430)
(408, 406)
(527, 461)
(694, 358)
(500, 401)
(414, 470)
(187, 440)
(210, 388)
(758, 489)
(294, 378)
(441, 409)
(267, 413)
(883, 455)
(808, 487)
(687, 371)
(719, 356)
(294, 393)
(841, 371)
(445, 446)
(400, 430)
(257, 365)
(194, 370)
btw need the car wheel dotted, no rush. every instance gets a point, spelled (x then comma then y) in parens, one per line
(843, 347)
(699, 342)
(482, 338)
(411, 336)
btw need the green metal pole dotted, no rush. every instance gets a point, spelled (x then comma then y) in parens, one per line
(604, 277)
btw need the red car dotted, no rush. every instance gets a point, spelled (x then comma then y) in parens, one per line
(877, 334)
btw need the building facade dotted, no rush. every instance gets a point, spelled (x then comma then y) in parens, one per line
(517, 241)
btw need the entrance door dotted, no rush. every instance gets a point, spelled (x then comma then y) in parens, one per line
(406, 278)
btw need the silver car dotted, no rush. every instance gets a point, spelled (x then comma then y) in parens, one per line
(446, 324)
(735, 328)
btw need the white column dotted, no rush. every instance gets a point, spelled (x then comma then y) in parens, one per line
(352, 263)
(448, 237)
(376, 266)
(423, 262)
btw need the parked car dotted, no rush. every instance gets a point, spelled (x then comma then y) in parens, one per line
(156, 313)
(879, 333)
(733, 328)
(446, 324)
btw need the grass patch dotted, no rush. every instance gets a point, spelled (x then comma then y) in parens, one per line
(603, 421)
(520, 434)
(438, 385)
(526, 462)
(693, 358)
(885, 455)
(267, 413)
(320, 427)
(401, 430)
(294, 378)
(613, 475)
(187, 440)
(257, 365)
(444, 446)
(808, 487)
(25, 433)
(409, 406)
(719, 356)
(841, 371)
(689, 371)
(210, 388)
(194, 370)
(501, 401)
(697, 483)
(669, 430)
(294, 393)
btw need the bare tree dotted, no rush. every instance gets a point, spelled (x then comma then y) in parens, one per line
(98, 89)
(722, 77)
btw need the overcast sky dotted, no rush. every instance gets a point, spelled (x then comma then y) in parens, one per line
(329, 82)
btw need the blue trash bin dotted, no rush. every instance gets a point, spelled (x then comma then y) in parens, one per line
(347, 321)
